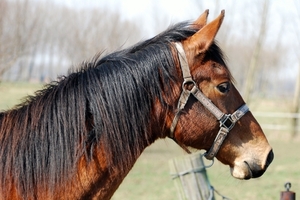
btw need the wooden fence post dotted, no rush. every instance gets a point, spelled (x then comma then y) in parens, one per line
(190, 178)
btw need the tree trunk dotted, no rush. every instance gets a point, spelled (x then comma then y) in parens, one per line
(296, 102)
(255, 56)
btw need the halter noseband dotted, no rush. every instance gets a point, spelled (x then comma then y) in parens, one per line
(227, 121)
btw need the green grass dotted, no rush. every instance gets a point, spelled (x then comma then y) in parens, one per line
(13, 93)
(150, 180)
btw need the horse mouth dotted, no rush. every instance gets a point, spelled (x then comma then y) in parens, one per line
(247, 170)
(253, 173)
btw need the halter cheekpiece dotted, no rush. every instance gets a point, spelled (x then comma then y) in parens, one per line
(227, 121)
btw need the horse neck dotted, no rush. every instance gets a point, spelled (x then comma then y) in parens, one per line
(98, 180)
(95, 179)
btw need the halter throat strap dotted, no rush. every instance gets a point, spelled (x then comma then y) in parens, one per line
(227, 121)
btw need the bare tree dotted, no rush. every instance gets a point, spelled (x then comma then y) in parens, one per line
(38, 37)
(18, 33)
(295, 104)
(253, 66)
(4, 46)
(94, 30)
(296, 99)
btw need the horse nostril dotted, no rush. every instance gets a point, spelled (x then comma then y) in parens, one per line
(269, 158)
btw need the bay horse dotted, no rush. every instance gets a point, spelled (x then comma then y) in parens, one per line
(79, 136)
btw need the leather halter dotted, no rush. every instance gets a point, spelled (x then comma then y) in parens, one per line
(227, 121)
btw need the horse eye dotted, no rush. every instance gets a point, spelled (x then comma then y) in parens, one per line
(224, 87)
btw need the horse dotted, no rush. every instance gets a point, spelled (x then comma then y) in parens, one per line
(79, 136)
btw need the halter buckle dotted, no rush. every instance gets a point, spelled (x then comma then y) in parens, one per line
(227, 122)
(186, 81)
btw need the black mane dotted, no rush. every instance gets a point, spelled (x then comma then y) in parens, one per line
(107, 100)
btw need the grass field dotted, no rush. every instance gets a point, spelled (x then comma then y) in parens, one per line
(150, 180)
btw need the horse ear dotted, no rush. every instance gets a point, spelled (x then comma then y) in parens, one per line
(202, 19)
(202, 39)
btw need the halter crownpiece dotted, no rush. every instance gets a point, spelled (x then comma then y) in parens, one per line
(227, 121)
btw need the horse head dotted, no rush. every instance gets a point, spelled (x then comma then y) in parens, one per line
(211, 114)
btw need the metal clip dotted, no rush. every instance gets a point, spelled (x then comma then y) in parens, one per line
(227, 122)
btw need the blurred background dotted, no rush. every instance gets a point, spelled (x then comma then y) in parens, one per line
(41, 39)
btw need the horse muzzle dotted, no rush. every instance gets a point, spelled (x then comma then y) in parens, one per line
(251, 168)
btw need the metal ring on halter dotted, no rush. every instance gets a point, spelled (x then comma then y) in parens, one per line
(212, 161)
(188, 80)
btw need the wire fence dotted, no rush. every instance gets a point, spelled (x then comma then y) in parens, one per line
(279, 121)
